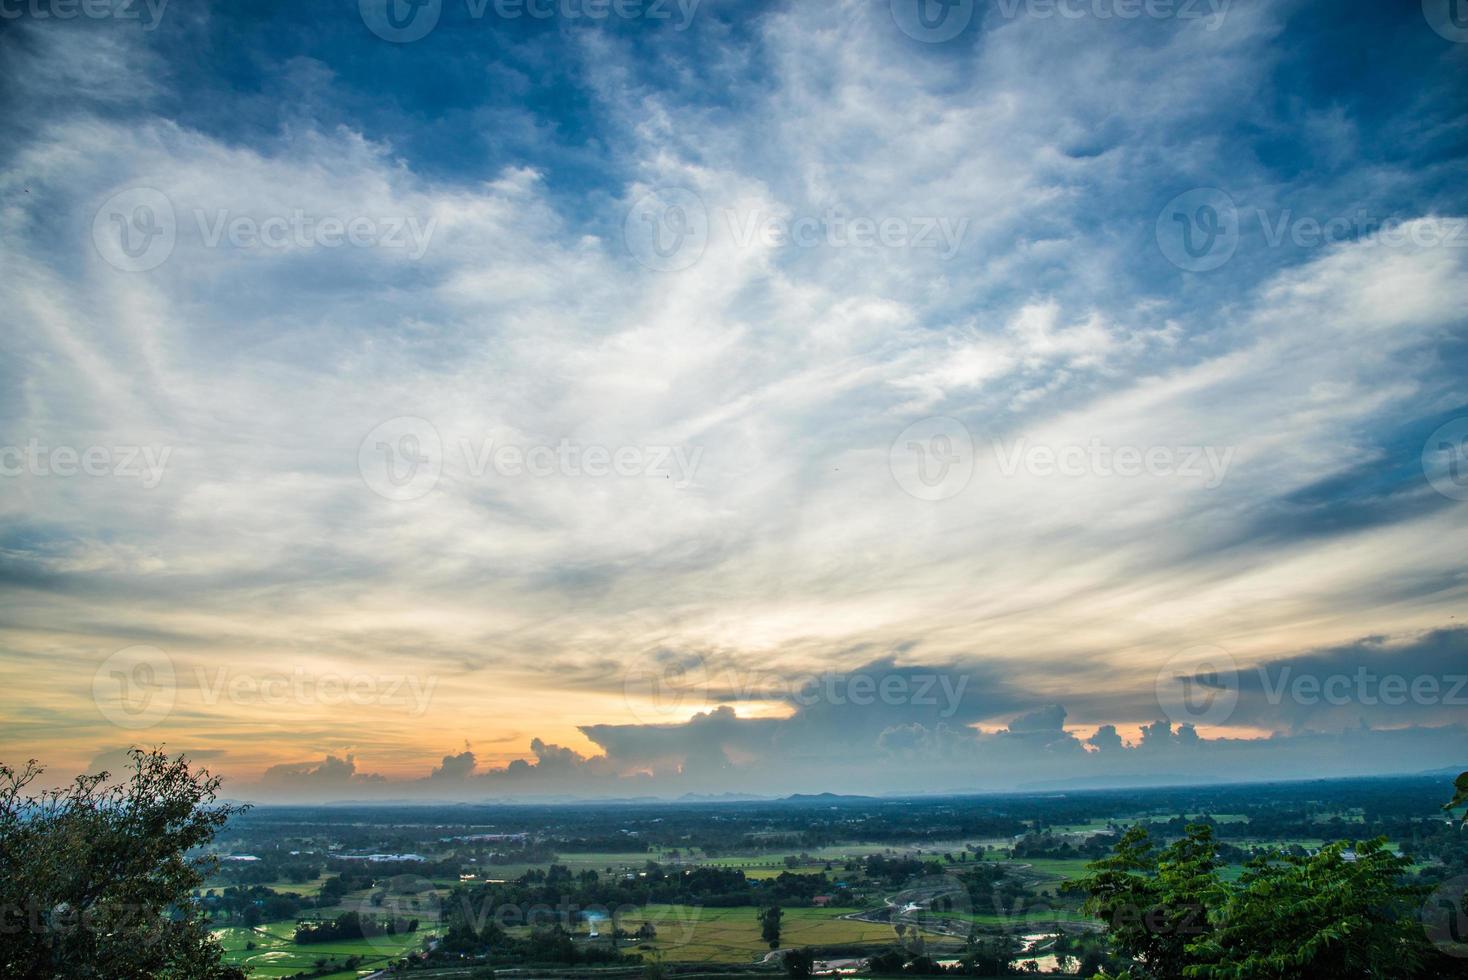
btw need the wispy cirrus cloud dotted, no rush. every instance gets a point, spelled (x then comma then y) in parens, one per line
(434, 383)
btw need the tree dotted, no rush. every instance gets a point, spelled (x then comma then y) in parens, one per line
(1156, 904)
(1321, 916)
(96, 877)
(769, 920)
(800, 963)
(991, 956)
(1460, 797)
(1346, 911)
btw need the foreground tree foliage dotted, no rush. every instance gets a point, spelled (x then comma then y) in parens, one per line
(1345, 911)
(95, 878)
(1460, 797)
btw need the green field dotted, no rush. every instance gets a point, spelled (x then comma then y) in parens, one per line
(277, 955)
(687, 934)
(1056, 868)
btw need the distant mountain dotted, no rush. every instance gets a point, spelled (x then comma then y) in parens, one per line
(828, 798)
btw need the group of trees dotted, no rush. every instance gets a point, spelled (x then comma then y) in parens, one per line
(250, 905)
(1345, 911)
(353, 925)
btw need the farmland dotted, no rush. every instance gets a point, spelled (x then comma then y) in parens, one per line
(603, 891)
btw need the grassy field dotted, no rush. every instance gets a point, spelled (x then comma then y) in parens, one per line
(303, 888)
(1057, 868)
(277, 955)
(692, 935)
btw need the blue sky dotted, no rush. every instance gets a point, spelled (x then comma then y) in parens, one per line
(581, 388)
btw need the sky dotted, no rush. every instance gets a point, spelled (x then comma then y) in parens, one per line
(502, 399)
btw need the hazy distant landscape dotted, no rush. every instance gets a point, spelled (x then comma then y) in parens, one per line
(855, 877)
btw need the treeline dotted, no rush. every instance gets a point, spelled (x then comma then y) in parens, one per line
(250, 905)
(705, 886)
(544, 945)
(353, 925)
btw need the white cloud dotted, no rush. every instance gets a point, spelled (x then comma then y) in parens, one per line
(525, 322)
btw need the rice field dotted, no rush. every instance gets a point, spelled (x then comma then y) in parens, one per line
(687, 934)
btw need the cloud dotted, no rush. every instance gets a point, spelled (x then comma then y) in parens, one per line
(332, 777)
(1290, 392)
(1375, 682)
(1050, 718)
(454, 768)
